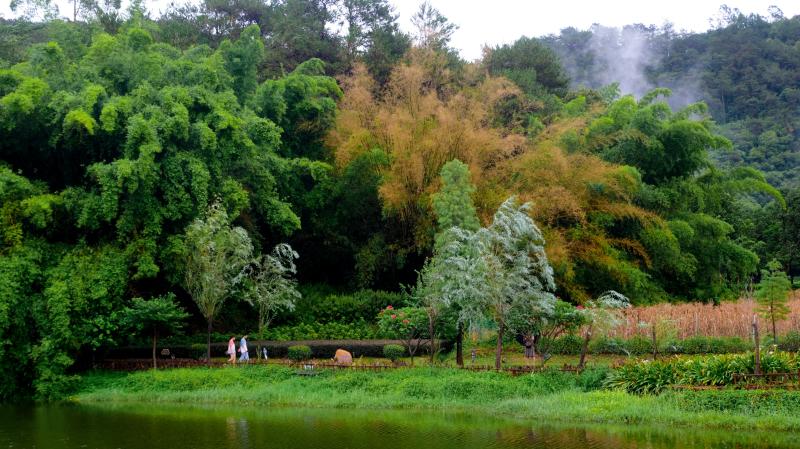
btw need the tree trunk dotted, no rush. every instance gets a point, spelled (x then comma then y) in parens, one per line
(585, 347)
(774, 329)
(499, 351)
(412, 349)
(431, 336)
(208, 345)
(757, 342)
(155, 340)
(460, 346)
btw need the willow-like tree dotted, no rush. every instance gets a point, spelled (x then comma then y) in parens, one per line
(506, 275)
(454, 208)
(216, 256)
(271, 283)
(601, 314)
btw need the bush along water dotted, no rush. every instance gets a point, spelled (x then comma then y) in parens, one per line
(653, 377)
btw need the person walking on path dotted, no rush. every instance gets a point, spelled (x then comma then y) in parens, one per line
(243, 350)
(231, 350)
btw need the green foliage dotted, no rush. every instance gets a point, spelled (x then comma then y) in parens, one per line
(358, 330)
(299, 353)
(530, 64)
(709, 345)
(653, 377)
(772, 295)
(790, 342)
(452, 204)
(643, 378)
(159, 315)
(111, 145)
(746, 402)
(393, 352)
(359, 306)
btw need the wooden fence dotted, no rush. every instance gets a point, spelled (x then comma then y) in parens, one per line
(145, 364)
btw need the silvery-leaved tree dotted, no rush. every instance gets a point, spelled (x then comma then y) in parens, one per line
(271, 286)
(500, 271)
(601, 314)
(439, 284)
(216, 257)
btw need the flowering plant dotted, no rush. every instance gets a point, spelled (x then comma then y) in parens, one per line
(408, 324)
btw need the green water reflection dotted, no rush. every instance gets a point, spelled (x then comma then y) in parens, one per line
(174, 427)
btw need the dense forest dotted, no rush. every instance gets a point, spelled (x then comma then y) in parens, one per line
(119, 128)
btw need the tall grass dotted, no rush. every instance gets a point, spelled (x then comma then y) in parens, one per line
(729, 319)
(551, 396)
(277, 385)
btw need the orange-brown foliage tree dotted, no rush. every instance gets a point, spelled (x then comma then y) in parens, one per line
(425, 118)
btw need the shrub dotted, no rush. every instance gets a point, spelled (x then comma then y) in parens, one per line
(566, 345)
(320, 305)
(393, 352)
(638, 345)
(718, 370)
(790, 342)
(643, 378)
(298, 353)
(709, 345)
(604, 345)
(360, 330)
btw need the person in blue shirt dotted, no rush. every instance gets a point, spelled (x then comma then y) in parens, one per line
(243, 349)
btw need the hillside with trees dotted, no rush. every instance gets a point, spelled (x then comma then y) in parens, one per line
(746, 69)
(139, 151)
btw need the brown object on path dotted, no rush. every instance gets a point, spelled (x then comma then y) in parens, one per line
(343, 357)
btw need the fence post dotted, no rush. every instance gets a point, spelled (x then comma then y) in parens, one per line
(757, 342)
(655, 341)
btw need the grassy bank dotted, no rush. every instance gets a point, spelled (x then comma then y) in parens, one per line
(551, 396)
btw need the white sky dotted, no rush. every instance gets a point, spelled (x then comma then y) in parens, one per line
(503, 21)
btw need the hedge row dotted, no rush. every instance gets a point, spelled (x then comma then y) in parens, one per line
(320, 349)
(572, 344)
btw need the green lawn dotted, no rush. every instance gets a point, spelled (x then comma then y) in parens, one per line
(551, 396)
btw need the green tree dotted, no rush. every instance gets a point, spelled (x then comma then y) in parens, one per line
(454, 208)
(216, 257)
(158, 316)
(772, 295)
(452, 204)
(530, 64)
(271, 286)
(434, 30)
(242, 58)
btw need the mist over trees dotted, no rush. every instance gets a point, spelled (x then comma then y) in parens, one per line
(746, 69)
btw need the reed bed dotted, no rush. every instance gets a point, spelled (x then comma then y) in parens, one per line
(729, 319)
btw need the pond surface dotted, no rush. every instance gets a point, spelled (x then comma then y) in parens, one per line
(171, 427)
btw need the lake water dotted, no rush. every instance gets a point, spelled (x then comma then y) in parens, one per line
(171, 427)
